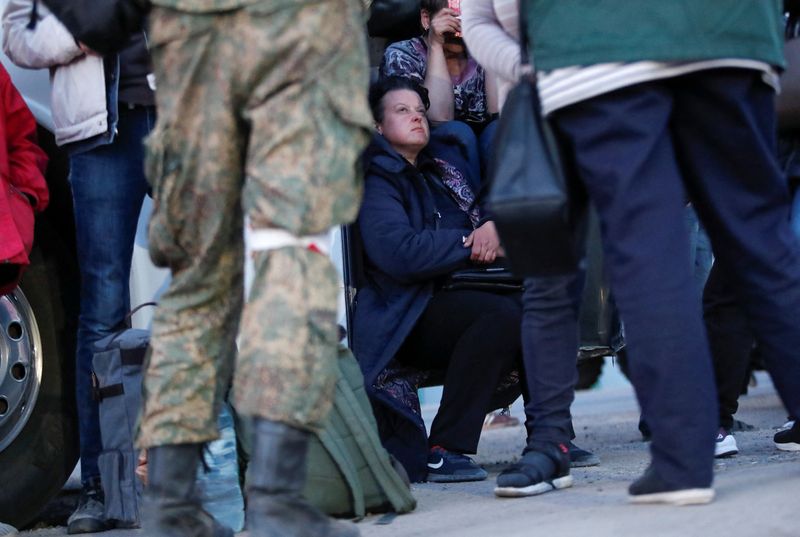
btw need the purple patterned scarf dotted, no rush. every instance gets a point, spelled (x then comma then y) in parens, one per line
(460, 190)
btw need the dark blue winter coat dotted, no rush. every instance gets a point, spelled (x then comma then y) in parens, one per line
(405, 251)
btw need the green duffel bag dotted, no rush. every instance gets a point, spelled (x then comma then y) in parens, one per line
(350, 474)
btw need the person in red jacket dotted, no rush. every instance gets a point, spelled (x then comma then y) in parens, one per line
(23, 190)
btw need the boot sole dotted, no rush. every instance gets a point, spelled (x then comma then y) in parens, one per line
(788, 446)
(534, 490)
(675, 497)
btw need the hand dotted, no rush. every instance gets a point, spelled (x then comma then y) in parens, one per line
(485, 244)
(86, 50)
(444, 22)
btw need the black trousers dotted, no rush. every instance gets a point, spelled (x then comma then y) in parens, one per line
(474, 336)
(730, 339)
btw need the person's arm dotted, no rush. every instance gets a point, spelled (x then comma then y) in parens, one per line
(491, 83)
(491, 46)
(395, 247)
(26, 160)
(46, 45)
(437, 76)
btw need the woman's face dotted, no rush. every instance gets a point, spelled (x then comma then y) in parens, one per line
(404, 124)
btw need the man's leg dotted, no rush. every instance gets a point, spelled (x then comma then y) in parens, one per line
(724, 132)
(108, 186)
(304, 102)
(731, 341)
(550, 349)
(621, 144)
(195, 166)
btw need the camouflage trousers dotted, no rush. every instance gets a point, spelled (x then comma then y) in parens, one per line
(262, 111)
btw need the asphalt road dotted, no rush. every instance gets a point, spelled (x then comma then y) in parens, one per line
(758, 491)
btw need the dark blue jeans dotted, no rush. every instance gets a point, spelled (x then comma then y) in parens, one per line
(636, 149)
(474, 150)
(108, 186)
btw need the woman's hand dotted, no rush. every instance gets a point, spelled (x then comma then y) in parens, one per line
(485, 244)
(445, 21)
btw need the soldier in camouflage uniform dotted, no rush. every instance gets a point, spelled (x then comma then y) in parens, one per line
(262, 113)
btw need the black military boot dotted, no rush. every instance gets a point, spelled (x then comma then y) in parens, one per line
(170, 507)
(275, 480)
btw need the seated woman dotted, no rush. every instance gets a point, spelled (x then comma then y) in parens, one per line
(419, 222)
(460, 92)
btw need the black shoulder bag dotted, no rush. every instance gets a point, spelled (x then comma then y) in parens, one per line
(529, 197)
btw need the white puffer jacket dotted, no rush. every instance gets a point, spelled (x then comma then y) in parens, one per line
(78, 95)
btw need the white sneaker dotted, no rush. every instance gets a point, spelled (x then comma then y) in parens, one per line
(726, 444)
(6, 529)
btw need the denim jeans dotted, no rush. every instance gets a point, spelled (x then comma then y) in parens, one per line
(476, 149)
(108, 186)
(700, 252)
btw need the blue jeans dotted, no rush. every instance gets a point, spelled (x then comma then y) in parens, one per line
(455, 142)
(108, 186)
(700, 252)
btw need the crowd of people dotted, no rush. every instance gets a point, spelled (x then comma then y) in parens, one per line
(247, 113)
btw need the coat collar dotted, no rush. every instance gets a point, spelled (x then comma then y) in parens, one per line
(380, 156)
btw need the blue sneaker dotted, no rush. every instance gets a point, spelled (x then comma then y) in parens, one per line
(450, 467)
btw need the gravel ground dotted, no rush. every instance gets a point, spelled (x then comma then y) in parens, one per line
(757, 491)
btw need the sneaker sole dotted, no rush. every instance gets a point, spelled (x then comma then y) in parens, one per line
(534, 490)
(676, 497)
(787, 446)
(77, 527)
(726, 447)
(585, 463)
(448, 478)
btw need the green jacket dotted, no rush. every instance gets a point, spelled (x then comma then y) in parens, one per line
(585, 32)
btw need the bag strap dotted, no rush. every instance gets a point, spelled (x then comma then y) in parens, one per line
(527, 69)
(129, 316)
(127, 323)
(391, 483)
(524, 39)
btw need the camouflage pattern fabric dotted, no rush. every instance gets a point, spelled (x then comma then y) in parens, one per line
(261, 110)
(210, 6)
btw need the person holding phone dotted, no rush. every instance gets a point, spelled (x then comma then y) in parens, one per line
(463, 100)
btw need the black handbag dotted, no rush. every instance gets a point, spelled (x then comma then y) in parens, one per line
(787, 103)
(529, 195)
(495, 279)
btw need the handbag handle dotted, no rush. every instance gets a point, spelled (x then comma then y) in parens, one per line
(524, 40)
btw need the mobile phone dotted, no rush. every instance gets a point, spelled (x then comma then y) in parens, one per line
(455, 5)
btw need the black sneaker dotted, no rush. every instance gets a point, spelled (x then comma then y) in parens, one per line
(652, 489)
(580, 458)
(788, 439)
(543, 467)
(450, 467)
(89, 516)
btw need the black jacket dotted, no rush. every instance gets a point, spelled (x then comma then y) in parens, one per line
(105, 26)
(404, 252)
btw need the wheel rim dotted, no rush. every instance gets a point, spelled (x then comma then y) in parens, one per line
(20, 365)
